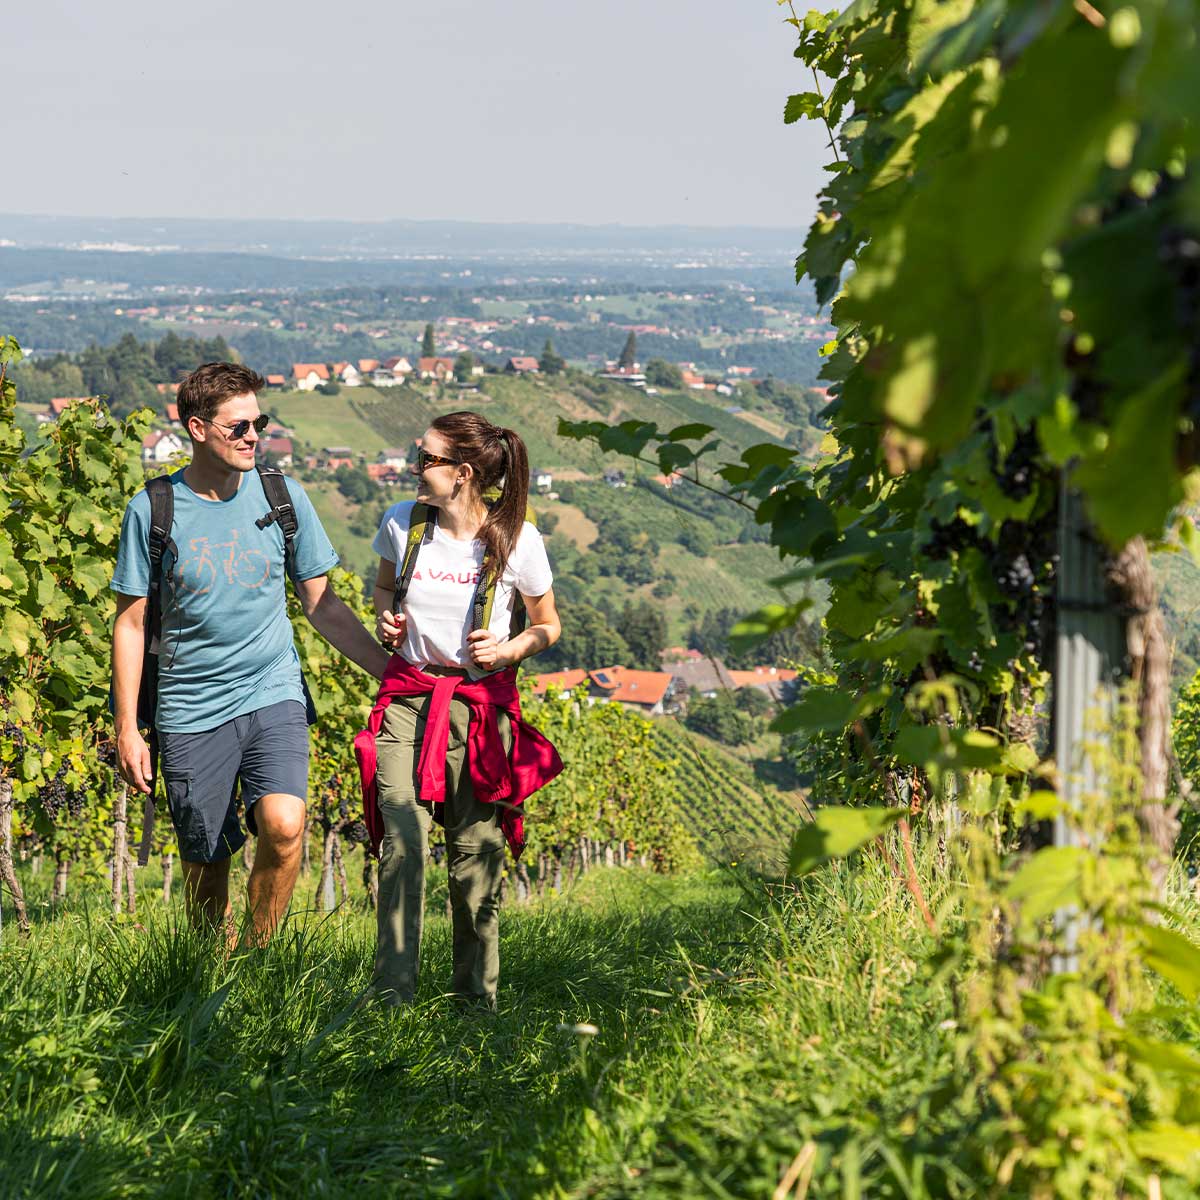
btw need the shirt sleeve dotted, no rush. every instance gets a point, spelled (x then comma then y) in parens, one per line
(131, 576)
(392, 537)
(313, 551)
(531, 569)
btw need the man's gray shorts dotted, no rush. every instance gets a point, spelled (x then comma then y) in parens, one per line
(266, 750)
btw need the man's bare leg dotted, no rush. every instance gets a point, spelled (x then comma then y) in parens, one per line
(206, 896)
(280, 821)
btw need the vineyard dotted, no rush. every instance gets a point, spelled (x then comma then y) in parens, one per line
(972, 968)
(725, 808)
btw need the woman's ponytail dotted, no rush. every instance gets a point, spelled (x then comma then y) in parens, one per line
(501, 464)
(503, 526)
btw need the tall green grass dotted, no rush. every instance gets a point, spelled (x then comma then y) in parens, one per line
(745, 1035)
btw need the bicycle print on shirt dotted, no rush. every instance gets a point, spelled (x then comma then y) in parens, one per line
(211, 561)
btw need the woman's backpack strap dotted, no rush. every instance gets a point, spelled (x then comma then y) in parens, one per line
(421, 524)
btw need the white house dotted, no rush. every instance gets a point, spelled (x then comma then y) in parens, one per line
(161, 446)
(543, 482)
(307, 376)
(394, 458)
(348, 374)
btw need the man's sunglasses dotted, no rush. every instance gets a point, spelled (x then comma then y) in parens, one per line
(239, 429)
(425, 459)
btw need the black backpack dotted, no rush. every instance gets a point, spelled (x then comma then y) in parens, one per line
(162, 516)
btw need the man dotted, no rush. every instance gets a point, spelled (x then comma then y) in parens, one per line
(231, 699)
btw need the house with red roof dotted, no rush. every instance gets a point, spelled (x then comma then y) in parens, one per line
(307, 376)
(58, 406)
(438, 368)
(276, 381)
(172, 410)
(383, 474)
(367, 365)
(644, 691)
(161, 446)
(565, 681)
(280, 450)
(522, 364)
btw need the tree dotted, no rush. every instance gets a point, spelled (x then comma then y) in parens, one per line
(428, 346)
(644, 628)
(628, 358)
(588, 641)
(719, 717)
(551, 363)
(464, 367)
(662, 374)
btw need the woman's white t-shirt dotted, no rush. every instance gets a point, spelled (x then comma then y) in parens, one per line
(438, 603)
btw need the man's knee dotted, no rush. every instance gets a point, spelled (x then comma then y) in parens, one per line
(280, 821)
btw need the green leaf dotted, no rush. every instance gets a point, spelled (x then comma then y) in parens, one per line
(15, 632)
(1048, 881)
(1174, 957)
(807, 105)
(1175, 1146)
(688, 432)
(828, 709)
(836, 833)
(760, 625)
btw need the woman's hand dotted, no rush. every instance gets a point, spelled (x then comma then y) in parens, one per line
(390, 629)
(486, 652)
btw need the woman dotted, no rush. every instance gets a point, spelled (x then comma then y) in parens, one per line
(446, 740)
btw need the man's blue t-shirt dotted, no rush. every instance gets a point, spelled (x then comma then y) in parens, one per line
(227, 645)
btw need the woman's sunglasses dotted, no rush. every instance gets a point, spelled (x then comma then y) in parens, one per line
(425, 459)
(239, 429)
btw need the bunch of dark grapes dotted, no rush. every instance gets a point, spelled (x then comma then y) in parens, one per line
(75, 801)
(1018, 473)
(15, 734)
(1024, 561)
(106, 752)
(53, 795)
(946, 537)
(356, 833)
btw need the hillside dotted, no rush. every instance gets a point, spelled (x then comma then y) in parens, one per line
(704, 554)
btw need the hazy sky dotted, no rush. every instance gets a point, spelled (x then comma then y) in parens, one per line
(630, 111)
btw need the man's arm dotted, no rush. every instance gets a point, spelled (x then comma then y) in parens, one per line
(336, 622)
(129, 647)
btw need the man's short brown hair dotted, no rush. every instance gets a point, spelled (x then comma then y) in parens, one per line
(210, 385)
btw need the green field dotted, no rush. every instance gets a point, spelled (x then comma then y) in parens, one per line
(319, 420)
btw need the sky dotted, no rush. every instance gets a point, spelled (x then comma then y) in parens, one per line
(636, 112)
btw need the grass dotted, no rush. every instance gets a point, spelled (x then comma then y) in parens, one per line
(750, 1041)
(321, 420)
(730, 1034)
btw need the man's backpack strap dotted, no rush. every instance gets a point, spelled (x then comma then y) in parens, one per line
(421, 524)
(274, 484)
(162, 517)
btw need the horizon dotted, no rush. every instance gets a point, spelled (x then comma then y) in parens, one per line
(651, 116)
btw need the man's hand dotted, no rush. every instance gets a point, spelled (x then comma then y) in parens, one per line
(486, 652)
(133, 760)
(391, 630)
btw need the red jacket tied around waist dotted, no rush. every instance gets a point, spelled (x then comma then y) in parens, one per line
(497, 778)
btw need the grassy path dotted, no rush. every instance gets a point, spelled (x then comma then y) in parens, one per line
(134, 1064)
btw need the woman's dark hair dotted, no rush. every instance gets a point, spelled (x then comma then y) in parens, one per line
(210, 385)
(500, 461)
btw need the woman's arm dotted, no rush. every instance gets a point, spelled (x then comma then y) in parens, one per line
(543, 631)
(390, 630)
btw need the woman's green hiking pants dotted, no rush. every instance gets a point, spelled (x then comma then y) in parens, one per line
(475, 854)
